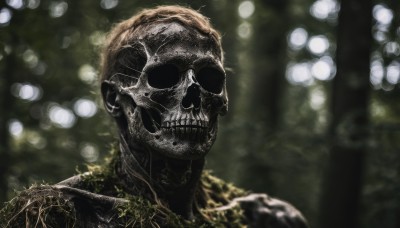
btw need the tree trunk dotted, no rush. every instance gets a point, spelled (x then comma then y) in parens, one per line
(269, 62)
(349, 126)
(6, 104)
(262, 109)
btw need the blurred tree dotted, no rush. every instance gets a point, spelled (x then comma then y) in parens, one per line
(48, 88)
(6, 103)
(349, 108)
(380, 199)
(261, 107)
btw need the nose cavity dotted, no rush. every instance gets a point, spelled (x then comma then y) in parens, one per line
(192, 97)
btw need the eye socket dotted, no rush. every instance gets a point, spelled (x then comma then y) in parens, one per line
(211, 79)
(163, 77)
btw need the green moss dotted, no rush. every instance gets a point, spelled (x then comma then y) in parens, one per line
(216, 193)
(45, 206)
(140, 212)
(38, 206)
(213, 193)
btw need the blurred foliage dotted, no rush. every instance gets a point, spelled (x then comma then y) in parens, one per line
(280, 56)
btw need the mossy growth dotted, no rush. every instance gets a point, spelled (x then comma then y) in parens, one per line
(46, 206)
(38, 206)
(214, 193)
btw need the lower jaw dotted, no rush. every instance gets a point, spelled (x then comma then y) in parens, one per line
(184, 149)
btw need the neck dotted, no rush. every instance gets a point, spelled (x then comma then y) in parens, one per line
(173, 182)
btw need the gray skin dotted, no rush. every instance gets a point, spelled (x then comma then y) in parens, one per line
(166, 93)
(168, 116)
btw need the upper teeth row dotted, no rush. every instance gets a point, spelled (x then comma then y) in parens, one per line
(185, 122)
(185, 119)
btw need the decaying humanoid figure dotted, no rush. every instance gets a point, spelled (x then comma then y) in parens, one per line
(163, 81)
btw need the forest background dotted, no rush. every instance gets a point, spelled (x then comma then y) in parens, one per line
(313, 110)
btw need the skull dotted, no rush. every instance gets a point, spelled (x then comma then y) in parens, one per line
(167, 90)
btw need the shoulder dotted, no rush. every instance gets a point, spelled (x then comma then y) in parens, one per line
(258, 210)
(219, 190)
(70, 203)
(39, 206)
(264, 211)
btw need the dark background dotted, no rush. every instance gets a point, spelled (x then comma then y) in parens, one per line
(314, 99)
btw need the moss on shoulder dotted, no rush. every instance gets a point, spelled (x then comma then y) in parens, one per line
(38, 206)
(46, 206)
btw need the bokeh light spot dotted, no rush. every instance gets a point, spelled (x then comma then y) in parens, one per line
(5, 16)
(61, 117)
(97, 38)
(392, 48)
(89, 152)
(377, 73)
(298, 38)
(323, 69)
(26, 91)
(317, 99)
(85, 108)
(16, 4)
(57, 9)
(244, 30)
(393, 72)
(299, 74)
(380, 36)
(382, 14)
(87, 73)
(30, 58)
(108, 4)
(246, 9)
(33, 4)
(15, 127)
(323, 9)
(318, 44)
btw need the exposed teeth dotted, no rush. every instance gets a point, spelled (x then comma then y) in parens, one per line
(185, 123)
(186, 126)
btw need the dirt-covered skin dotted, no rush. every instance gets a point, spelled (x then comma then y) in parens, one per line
(164, 83)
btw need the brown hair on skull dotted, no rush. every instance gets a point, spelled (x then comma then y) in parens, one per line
(125, 32)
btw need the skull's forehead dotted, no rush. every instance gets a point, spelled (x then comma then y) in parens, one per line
(171, 40)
